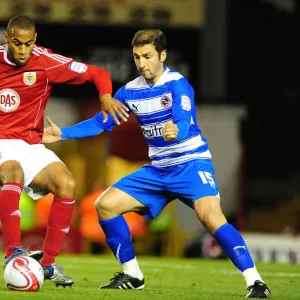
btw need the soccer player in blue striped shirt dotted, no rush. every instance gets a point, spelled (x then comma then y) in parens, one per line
(182, 168)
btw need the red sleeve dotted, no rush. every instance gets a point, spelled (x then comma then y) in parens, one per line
(61, 69)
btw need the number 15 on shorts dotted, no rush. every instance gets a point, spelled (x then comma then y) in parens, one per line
(207, 178)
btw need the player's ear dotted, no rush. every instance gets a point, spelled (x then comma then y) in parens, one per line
(163, 56)
(6, 37)
(35, 37)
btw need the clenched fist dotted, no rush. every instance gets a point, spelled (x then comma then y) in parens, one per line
(170, 131)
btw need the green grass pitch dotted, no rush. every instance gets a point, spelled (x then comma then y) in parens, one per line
(166, 279)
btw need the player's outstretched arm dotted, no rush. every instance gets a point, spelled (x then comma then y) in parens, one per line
(62, 69)
(84, 129)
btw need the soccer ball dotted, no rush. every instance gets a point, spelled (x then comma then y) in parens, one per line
(23, 273)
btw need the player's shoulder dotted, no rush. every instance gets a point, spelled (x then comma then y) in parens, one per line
(136, 84)
(172, 75)
(41, 51)
(173, 78)
(2, 49)
(49, 55)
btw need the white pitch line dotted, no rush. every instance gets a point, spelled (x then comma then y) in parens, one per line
(161, 267)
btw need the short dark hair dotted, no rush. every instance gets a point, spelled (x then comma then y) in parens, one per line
(150, 36)
(22, 22)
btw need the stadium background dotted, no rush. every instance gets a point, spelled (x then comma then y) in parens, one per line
(242, 57)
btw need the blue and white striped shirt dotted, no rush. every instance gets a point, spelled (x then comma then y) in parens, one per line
(171, 98)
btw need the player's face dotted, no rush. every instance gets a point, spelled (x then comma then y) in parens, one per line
(20, 45)
(148, 62)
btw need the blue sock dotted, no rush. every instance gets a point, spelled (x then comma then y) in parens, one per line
(118, 238)
(234, 246)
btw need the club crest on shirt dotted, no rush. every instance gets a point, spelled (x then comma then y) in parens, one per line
(29, 78)
(165, 101)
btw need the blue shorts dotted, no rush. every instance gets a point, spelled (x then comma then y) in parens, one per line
(156, 187)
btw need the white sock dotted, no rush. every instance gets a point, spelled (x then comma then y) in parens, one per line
(251, 275)
(132, 268)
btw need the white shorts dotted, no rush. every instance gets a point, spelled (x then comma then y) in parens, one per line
(33, 158)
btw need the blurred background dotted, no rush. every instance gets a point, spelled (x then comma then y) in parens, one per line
(242, 58)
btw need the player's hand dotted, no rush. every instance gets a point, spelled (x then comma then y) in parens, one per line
(112, 106)
(170, 131)
(52, 133)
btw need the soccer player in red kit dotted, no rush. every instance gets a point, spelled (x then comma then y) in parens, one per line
(27, 76)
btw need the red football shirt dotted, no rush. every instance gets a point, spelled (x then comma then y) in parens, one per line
(25, 90)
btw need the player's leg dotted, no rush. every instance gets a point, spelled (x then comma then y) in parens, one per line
(143, 192)
(209, 212)
(43, 173)
(110, 207)
(13, 179)
(198, 188)
(57, 179)
(11, 183)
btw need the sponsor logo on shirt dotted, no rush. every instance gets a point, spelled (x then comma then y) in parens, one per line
(9, 100)
(135, 107)
(152, 131)
(186, 103)
(29, 78)
(165, 102)
(78, 67)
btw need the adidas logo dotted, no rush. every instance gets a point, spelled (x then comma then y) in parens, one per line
(66, 230)
(126, 285)
(16, 213)
(124, 282)
(267, 293)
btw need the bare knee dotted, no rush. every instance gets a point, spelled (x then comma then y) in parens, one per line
(12, 171)
(66, 186)
(107, 208)
(114, 202)
(210, 214)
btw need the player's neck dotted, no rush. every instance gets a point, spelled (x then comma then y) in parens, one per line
(9, 57)
(156, 78)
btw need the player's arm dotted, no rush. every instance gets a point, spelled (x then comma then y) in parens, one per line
(84, 129)
(60, 69)
(183, 94)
